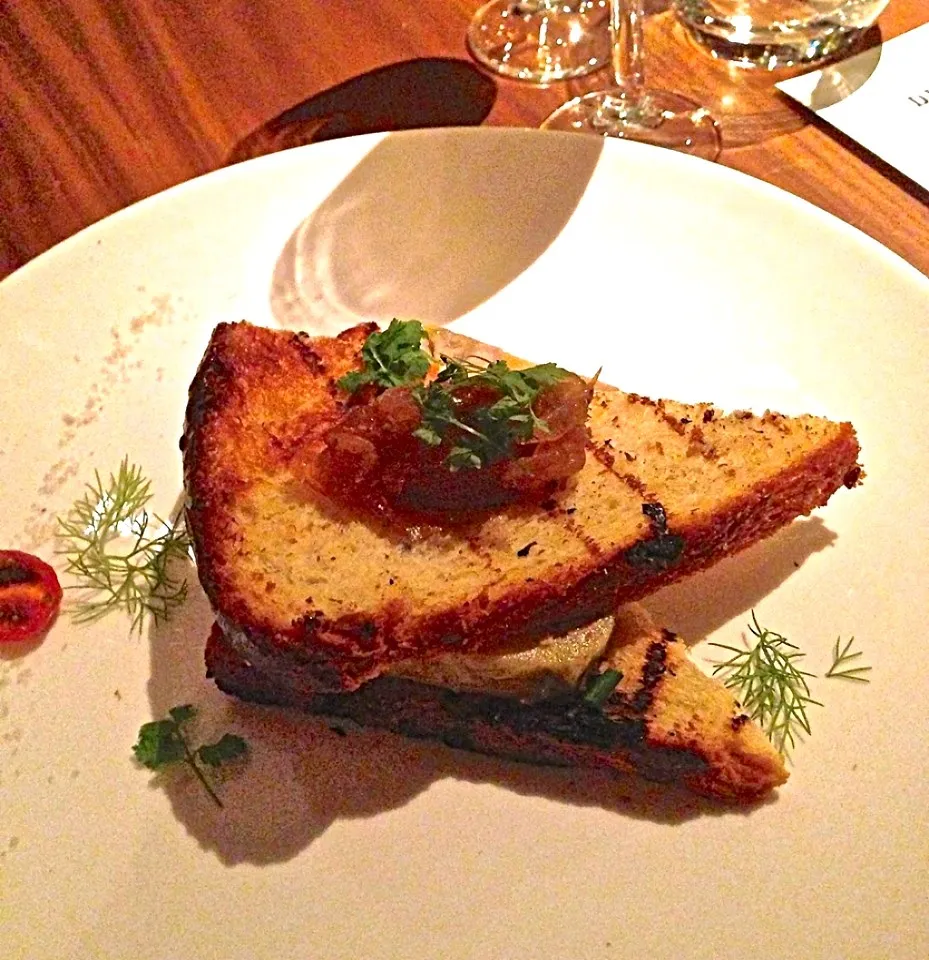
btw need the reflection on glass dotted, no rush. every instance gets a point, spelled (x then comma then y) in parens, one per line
(778, 33)
(540, 40)
(629, 109)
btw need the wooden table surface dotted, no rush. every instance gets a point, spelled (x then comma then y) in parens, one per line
(104, 102)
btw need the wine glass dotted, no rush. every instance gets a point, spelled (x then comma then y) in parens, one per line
(540, 40)
(632, 111)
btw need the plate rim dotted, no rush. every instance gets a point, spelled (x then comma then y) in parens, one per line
(255, 168)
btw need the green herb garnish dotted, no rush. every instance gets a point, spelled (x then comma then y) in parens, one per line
(483, 434)
(599, 689)
(841, 663)
(120, 553)
(162, 744)
(392, 358)
(772, 688)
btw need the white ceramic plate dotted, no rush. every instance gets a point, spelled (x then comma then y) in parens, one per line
(682, 279)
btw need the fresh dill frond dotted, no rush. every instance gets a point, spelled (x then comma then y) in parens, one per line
(841, 662)
(771, 686)
(121, 555)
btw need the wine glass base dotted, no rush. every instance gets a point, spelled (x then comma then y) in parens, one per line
(650, 116)
(801, 40)
(540, 43)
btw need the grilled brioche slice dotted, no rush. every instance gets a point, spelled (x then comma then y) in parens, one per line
(291, 575)
(666, 720)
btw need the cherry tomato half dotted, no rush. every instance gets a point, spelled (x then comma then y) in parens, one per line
(30, 596)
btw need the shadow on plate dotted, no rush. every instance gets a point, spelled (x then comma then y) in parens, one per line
(429, 226)
(425, 92)
(839, 81)
(302, 775)
(700, 605)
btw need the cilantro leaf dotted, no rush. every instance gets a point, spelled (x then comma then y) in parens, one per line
(429, 435)
(182, 714)
(354, 380)
(392, 357)
(481, 435)
(161, 743)
(602, 686)
(454, 371)
(158, 744)
(461, 458)
(228, 747)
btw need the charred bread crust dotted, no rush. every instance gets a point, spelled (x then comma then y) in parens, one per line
(211, 478)
(721, 756)
(294, 371)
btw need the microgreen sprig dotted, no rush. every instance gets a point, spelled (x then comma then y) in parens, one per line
(122, 555)
(772, 687)
(842, 658)
(484, 433)
(490, 430)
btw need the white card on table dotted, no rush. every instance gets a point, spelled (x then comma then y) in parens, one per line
(879, 98)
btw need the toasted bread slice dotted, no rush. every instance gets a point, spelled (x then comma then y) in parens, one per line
(666, 720)
(292, 575)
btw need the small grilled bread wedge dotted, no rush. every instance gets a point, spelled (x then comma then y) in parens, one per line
(665, 719)
(295, 577)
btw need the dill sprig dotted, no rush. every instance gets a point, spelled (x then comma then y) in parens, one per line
(841, 663)
(772, 688)
(121, 554)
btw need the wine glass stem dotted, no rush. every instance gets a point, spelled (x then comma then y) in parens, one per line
(626, 17)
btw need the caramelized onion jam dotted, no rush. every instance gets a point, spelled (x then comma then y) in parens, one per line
(373, 457)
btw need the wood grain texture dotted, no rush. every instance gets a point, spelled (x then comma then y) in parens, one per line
(104, 102)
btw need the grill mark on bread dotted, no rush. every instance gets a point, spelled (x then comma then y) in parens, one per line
(653, 671)
(607, 459)
(697, 444)
(577, 530)
(718, 753)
